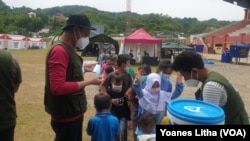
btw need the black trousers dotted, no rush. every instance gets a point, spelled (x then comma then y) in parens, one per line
(68, 131)
(7, 135)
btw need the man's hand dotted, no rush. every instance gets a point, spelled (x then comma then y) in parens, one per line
(97, 80)
(179, 78)
(94, 81)
(137, 76)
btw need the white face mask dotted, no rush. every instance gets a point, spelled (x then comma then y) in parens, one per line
(112, 52)
(117, 87)
(82, 42)
(192, 82)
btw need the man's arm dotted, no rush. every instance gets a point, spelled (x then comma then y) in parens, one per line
(17, 74)
(215, 93)
(179, 87)
(105, 84)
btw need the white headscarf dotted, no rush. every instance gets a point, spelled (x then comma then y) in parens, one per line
(151, 79)
(154, 102)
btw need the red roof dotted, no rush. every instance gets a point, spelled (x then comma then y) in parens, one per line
(141, 36)
(19, 38)
(4, 36)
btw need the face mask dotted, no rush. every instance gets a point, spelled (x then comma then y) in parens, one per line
(112, 52)
(116, 87)
(164, 76)
(126, 69)
(155, 90)
(82, 42)
(192, 82)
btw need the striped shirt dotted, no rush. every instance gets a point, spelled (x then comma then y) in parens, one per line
(214, 92)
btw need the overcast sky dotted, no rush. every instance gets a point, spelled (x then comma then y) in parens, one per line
(200, 9)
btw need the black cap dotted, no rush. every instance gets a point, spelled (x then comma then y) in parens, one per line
(78, 20)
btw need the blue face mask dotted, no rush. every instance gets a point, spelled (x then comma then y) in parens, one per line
(164, 76)
(126, 69)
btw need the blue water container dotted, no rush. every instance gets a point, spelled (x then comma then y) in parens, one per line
(226, 57)
(194, 112)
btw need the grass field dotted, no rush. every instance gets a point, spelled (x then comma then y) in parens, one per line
(33, 123)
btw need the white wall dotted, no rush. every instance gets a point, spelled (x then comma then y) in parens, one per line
(15, 44)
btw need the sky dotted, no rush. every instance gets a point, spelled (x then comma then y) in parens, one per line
(200, 9)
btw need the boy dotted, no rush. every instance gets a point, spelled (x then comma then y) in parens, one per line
(116, 88)
(103, 120)
(118, 85)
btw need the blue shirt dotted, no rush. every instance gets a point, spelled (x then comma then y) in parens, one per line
(103, 127)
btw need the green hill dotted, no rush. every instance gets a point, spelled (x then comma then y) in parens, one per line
(16, 21)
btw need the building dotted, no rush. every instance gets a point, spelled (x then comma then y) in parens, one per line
(218, 40)
(20, 42)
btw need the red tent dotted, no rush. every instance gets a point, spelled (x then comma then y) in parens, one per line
(141, 36)
(139, 42)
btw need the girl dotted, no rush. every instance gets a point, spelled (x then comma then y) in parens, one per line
(144, 70)
(151, 98)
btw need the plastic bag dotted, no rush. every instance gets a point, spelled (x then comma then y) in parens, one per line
(97, 69)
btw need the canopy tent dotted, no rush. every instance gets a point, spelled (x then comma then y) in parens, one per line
(169, 49)
(239, 50)
(141, 36)
(140, 41)
(99, 42)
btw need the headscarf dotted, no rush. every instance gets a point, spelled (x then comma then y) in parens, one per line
(154, 102)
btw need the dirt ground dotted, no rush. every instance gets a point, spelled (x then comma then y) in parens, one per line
(237, 74)
(33, 123)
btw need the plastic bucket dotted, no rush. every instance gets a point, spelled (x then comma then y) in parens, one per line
(194, 112)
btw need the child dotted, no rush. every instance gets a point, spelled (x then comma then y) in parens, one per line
(107, 71)
(146, 127)
(103, 120)
(105, 64)
(144, 70)
(113, 62)
(146, 124)
(151, 98)
(115, 87)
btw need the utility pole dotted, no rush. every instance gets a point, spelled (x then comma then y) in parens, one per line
(128, 20)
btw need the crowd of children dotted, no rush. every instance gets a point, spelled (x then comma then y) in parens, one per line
(139, 96)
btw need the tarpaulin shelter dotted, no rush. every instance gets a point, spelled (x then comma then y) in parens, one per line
(100, 42)
(177, 46)
(140, 41)
(170, 48)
